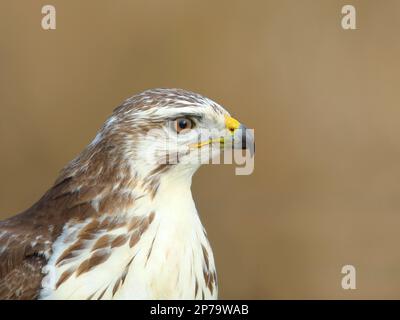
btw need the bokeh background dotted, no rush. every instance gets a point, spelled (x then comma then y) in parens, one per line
(324, 103)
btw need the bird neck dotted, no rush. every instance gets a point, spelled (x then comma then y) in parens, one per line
(174, 196)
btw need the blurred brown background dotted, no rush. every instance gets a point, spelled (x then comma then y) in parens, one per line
(324, 102)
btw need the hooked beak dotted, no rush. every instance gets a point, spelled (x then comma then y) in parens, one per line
(242, 137)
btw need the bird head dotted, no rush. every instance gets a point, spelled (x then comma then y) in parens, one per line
(160, 130)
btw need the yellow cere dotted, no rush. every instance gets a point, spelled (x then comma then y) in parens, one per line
(231, 123)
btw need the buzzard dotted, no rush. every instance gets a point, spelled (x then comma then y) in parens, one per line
(120, 221)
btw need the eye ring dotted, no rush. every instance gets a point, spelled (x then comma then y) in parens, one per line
(183, 124)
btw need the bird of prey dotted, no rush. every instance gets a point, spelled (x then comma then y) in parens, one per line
(120, 221)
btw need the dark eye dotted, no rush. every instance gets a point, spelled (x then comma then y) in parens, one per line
(183, 124)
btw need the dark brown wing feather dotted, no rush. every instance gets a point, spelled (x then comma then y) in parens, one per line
(26, 239)
(23, 282)
(21, 260)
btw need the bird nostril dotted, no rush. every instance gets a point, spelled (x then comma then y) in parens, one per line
(231, 129)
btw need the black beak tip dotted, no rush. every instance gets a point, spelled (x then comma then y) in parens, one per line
(247, 142)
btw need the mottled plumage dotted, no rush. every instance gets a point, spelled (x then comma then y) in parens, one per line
(120, 221)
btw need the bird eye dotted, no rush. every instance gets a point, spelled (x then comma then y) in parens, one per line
(182, 124)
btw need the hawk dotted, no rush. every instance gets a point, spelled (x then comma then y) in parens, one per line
(120, 221)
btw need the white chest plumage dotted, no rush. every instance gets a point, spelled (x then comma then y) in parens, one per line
(156, 250)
